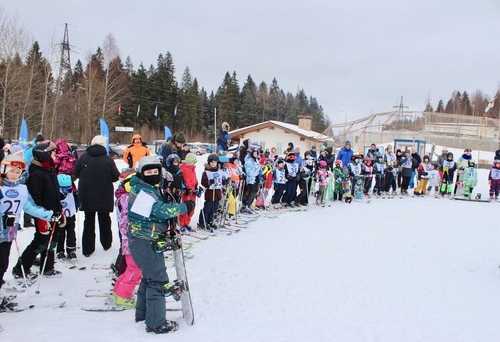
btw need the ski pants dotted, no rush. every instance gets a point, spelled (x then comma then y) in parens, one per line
(412, 179)
(367, 185)
(39, 245)
(208, 212)
(291, 189)
(67, 235)
(405, 183)
(128, 280)
(185, 218)
(390, 181)
(150, 304)
(379, 184)
(279, 189)
(253, 189)
(105, 234)
(422, 186)
(494, 187)
(4, 259)
(302, 196)
(320, 196)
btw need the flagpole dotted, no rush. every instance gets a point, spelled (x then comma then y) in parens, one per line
(215, 129)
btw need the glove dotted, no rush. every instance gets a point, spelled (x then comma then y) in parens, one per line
(212, 181)
(43, 227)
(189, 192)
(289, 177)
(78, 205)
(199, 191)
(243, 176)
(297, 178)
(9, 220)
(190, 205)
(56, 217)
(445, 169)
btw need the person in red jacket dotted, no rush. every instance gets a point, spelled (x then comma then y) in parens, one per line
(188, 169)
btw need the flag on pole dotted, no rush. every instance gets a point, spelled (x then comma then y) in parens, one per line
(138, 109)
(119, 109)
(23, 135)
(105, 132)
(175, 110)
(156, 111)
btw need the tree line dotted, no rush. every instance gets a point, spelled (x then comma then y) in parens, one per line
(462, 103)
(67, 100)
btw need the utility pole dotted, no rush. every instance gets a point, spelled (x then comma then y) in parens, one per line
(64, 71)
(401, 107)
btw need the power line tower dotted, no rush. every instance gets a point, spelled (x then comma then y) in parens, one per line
(64, 74)
(401, 107)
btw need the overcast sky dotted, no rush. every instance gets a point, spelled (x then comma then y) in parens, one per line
(357, 57)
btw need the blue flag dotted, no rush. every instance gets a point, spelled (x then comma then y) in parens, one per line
(168, 133)
(105, 132)
(23, 135)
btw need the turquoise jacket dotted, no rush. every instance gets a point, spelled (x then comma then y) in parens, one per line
(150, 227)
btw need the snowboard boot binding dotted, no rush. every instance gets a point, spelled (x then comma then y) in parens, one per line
(174, 289)
(167, 243)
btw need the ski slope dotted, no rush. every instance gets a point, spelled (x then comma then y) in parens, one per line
(411, 269)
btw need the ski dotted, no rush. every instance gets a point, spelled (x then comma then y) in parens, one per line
(180, 270)
(18, 285)
(231, 228)
(101, 267)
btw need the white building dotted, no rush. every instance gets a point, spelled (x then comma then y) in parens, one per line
(278, 134)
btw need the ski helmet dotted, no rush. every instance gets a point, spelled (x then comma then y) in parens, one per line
(368, 160)
(472, 163)
(280, 161)
(64, 180)
(212, 157)
(171, 159)
(448, 155)
(356, 156)
(42, 151)
(338, 162)
(149, 163)
(13, 161)
(223, 159)
(291, 156)
(427, 157)
(322, 163)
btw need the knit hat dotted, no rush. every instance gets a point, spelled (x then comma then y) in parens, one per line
(190, 159)
(347, 143)
(16, 149)
(227, 137)
(39, 138)
(99, 140)
(180, 138)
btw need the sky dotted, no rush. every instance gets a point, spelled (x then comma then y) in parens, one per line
(356, 57)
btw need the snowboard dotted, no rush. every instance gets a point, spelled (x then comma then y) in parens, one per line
(485, 200)
(180, 270)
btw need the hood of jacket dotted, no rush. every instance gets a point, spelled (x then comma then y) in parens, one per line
(96, 150)
(136, 136)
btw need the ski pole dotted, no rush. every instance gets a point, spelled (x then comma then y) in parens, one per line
(46, 256)
(23, 272)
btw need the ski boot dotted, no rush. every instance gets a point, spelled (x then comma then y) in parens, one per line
(165, 328)
(478, 196)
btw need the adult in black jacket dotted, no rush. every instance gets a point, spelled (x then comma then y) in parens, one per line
(329, 157)
(44, 189)
(97, 172)
(172, 146)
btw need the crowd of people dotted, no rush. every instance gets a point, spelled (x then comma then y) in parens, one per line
(156, 199)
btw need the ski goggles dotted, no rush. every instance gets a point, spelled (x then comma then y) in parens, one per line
(16, 164)
(66, 190)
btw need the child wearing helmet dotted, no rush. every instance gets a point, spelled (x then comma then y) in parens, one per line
(434, 178)
(354, 169)
(423, 177)
(494, 180)
(339, 180)
(462, 163)
(211, 180)
(448, 167)
(292, 176)
(470, 178)
(69, 200)
(279, 181)
(191, 188)
(14, 198)
(367, 172)
(379, 171)
(322, 175)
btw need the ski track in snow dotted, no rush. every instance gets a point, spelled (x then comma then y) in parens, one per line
(393, 270)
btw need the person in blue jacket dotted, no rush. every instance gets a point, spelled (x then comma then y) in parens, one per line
(345, 154)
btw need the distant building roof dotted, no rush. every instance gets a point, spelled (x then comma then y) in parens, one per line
(286, 126)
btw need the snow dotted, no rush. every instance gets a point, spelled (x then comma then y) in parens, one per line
(412, 269)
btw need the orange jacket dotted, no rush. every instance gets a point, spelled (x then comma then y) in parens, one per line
(135, 152)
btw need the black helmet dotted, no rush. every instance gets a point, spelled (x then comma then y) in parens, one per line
(426, 157)
(41, 152)
(212, 157)
(448, 155)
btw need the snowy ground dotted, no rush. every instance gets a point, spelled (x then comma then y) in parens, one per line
(412, 269)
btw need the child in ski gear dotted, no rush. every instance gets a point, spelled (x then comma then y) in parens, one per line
(305, 172)
(462, 163)
(470, 178)
(322, 175)
(339, 178)
(235, 172)
(267, 175)
(148, 217)
(44, 189)
(448, 168)
(211, 180)
(354, 169)
(292, 176)
(253, 175)
(434, 180)
(64, 162)
(379, 170)
(135, 151)
(191, 190)
(391, 171)
(14, 197)
(279, 183)
(494, 180)
(406, 163)
(123, 290)
(423, 176)
(175, 187)
(367, 171)
(67, 233)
